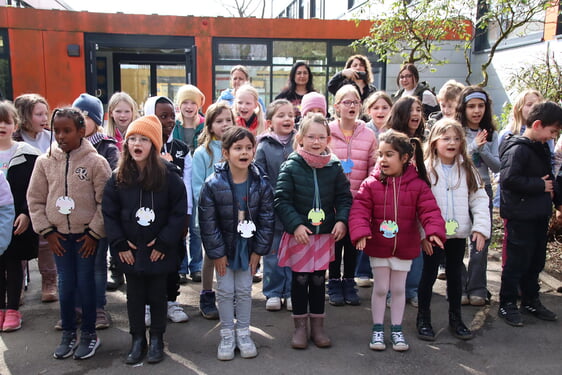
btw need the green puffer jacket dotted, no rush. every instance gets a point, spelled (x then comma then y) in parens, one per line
(294, 194)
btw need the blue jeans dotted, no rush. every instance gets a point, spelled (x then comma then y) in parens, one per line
(414, 277)
(363, 267)
(76, 277)
(194, 262)
(276, 280)
(234, 285)
(100, 275)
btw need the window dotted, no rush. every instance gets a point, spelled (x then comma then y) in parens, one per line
(5, 75)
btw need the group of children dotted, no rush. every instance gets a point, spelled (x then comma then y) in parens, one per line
(305, 197)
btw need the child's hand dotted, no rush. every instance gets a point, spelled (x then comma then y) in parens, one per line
(481, 138)
(436, 241)
(360, 245)
(156, 255)
(21, 224)
(479, 239)
(427, 247)
(54, 243)
(220, 265)
(254, 261)
(339, 231)
(548, 185)
(88, 247)
(127, 257)
(301, 234)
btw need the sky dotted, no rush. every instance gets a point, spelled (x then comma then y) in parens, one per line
(163, 7)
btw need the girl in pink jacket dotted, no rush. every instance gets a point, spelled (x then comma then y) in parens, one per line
(384, 222)
(355, 145)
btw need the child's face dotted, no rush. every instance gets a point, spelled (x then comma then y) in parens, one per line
(542, 133)
(221, 123)
(448, 108)
(246, 104)
(67, 135)
(167, 116)
(530, 100)
(390, 161)
(240, 154)
(474, 112)
(139, 147)
(237, 79)
(283, 121)
(189, 109)
(122, 114)
(39, 117)
(6, 130)
(416, 116)
(448, 146)
(349, 107)
(379, 111)
(315, 110)
(316, 139)
(91, 126)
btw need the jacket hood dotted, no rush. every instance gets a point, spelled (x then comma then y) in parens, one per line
(22, 150)
(150, 104)
(272, 137)
(511, 141)
(223, 167)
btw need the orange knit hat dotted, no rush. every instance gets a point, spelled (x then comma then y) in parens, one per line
(150, 127)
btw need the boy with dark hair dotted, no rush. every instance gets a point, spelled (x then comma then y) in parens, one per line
(528, 189)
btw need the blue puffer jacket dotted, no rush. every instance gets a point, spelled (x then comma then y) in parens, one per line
(218, 213)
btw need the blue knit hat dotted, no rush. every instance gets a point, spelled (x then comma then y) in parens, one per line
(90, 106)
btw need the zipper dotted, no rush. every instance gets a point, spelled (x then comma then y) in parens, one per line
(66, 186)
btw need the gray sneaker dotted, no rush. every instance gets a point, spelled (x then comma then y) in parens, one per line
(227, 345)
(245, 343)
(89, 342)
(67, 345)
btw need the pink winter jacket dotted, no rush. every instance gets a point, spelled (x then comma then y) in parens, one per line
(361, 149)
(416, 204)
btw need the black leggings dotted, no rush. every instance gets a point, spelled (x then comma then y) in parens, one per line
(454, 253)
(11, 282)
(349, 259)
(307, 291)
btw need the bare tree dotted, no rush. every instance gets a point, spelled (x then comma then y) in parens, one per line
(245, 8)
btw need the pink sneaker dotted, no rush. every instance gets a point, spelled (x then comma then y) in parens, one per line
(12, 321)
(2, 314)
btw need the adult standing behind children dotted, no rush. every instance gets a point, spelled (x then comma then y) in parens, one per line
(528, 189)
(357, 72)
(300, 83)
(64, 196)
(409, 82)
(239, 76)
(144, 210)
(33, 122)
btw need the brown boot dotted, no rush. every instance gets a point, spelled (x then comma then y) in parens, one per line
(300, 336)
(49, 288)
(317, 333)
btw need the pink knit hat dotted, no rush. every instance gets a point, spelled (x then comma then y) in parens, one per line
(313, 100)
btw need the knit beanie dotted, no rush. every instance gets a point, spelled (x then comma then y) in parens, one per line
(150, 104)
(91, 107)
(313, 100)
(150, 127)
(190, 92)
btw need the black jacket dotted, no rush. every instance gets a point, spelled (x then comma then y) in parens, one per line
(218, 214)
(523, 164)
(119, 207)
(20, 167)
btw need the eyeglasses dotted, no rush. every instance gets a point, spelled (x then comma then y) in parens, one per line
(406, 76)
(138, 139)
(312, 138)
(349, 103)
(451, 139)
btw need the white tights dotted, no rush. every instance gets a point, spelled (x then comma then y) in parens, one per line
(386, 279)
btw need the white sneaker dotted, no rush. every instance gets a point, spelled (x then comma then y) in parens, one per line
(363, 282)
(227, 345)
(147, 316)
(176, 313)
(273, 304)
(245, 343)
(289, 303)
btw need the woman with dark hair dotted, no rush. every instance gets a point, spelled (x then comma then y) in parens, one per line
(409, 82)
(299, 84)
(357, 72)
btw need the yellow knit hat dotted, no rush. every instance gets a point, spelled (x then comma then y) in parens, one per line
(190, 92)
(150, 127)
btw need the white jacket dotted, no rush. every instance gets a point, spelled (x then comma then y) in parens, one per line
(456, 203)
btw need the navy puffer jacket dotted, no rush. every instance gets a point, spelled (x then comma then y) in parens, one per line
(218, 212)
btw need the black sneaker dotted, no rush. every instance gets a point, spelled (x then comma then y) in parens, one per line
(67, 345)
(183, 279)
(537, 309)
(510, 313)
(89, 342)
